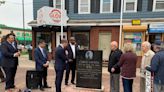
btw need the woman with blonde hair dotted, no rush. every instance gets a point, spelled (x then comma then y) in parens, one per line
(127, 63)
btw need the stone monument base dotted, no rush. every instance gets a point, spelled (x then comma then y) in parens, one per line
(89, 89)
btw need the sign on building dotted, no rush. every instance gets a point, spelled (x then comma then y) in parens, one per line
(51, 16)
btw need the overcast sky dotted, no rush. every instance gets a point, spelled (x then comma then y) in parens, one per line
(11, 13)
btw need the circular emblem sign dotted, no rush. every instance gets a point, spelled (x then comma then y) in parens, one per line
(55, 15)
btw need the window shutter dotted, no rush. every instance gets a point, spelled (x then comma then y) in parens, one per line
(95, 6)
(139, 5)
(150, 5)
(116, 5)
(75, 6)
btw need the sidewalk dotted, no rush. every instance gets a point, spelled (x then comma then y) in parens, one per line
(25, 64)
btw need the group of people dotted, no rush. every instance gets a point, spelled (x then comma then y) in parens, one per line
(65, 59)
(123, 63)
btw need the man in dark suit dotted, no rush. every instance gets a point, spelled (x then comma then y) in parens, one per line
(9, 62)
(42, 63)
(71, 65)
(2, 77)
(60, 62)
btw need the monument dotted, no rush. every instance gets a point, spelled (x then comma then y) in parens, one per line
(89, 69)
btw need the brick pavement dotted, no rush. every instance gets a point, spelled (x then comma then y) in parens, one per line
(25, 64)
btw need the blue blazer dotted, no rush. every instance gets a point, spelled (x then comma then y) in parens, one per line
(60, 58)
(8, 59)
(40, 59)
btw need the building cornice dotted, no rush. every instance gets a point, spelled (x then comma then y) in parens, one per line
(113, 21)
(105, 22)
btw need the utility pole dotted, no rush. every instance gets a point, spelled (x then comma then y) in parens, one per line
(121, 16)
(23, 22)
(62, 9)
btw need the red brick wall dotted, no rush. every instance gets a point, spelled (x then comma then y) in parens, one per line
(94, 35)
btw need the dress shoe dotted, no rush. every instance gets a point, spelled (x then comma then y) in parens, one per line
(9, 90)
(66, 84)
(13, 86)
(42, 89)
(2, 80)
(47, 86)
(73, 83)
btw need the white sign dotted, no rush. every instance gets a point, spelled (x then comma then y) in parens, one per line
(148, 81)
(51, 16)
(156, 25)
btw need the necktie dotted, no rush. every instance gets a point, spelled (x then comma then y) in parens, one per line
(43, 53)
(13, 45)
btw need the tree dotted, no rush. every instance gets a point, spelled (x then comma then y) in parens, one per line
(2, 2)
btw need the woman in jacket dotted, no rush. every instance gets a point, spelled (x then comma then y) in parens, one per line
(127, 63)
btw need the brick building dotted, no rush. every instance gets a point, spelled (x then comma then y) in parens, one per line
(95, 23)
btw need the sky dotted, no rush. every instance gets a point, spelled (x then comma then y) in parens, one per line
(11, 13)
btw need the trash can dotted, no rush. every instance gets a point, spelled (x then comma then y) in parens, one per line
(30, 54)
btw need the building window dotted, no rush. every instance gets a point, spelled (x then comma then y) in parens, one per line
(84, 6)
(106, 6)
(130, 6)
(44, 36)
(58, 37)
(82, 39)
(57, 3)
(158, 5)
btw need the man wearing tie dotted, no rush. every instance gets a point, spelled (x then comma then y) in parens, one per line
(60, 62)
(42, 63)
(9, 62)
(71, 65)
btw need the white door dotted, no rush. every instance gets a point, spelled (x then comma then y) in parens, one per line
(58, 37)
(104, 44)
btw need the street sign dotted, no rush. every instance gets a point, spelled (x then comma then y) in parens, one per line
(136, 22)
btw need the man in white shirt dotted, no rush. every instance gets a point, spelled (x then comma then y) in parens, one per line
(71, 65)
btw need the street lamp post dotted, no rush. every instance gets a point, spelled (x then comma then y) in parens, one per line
(61, 19)
(23, 21)
(121, 16)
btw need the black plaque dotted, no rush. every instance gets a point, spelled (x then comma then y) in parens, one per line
(89, 69)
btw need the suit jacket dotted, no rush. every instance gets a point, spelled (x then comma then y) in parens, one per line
(146, 60)
(40, 59)
(0, 55)
(114, 58)
(8, 59)
(70, 52)
(60, 58)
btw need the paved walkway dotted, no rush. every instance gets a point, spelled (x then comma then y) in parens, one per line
(25, 64)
